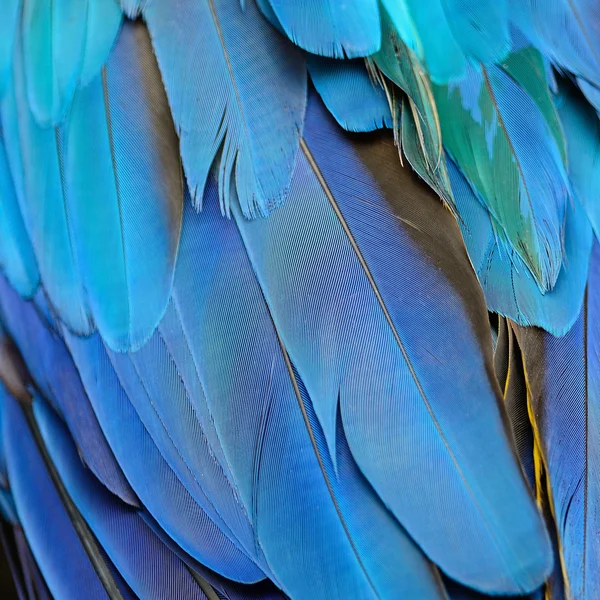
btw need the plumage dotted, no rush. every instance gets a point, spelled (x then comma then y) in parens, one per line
(244, 107)
(124, 192)
(44, 522)
(509, 286)
(148, 566)
(8, 27)
(356, 100)
(245, 346)
(326, 27)
(342, 365)
(17, 258)
(259, 414)
(54, 373)
(562, 379)
(501, 140)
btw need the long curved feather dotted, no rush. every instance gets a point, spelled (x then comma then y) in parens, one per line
(336, 266)
(124, 191)
(509, 287)
(501, 141)
(270, 441)
(243, 104)
(157, 486)
(42, 515)
(54, 374)
(564, 392)
(146, 564)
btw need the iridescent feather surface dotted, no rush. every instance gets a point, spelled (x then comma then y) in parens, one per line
(298, 299)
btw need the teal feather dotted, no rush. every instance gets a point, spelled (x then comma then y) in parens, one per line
(350, 29)
(17, 258)
(125, 191)
(246, 107)
(509, 287)
(501, 139)
(9, 19)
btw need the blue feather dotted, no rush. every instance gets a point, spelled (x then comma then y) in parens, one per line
(124, 191)
(509, 287)
(9, 19)
(55, 375)
(179, 424)
(284, 476)
(146, 564)
(157, 486)
(34, 159)
(582, 133)
(17, 258)
(237, 89)
(564, 384)
(65, 43)
(565, 31)
(501, 139)
(356, 101)
(42, 515)
(104, 19)
(344, 277)
(338, 30)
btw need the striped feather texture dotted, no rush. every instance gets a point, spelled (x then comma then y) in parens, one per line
(241, 102)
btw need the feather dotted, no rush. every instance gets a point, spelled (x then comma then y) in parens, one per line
(509, 287)
(331, 29)
(55, 375)
(246, 106)
(147, 565)
(34, 159)
(8, 25)
(47, 521)
(53, 47)
(31, 573)
(271, 443)
(582, 132)
(356, 101)
(501, 140)
(420, 134)
(565, 31)
(104, 18)
(502, 352)
(125, 191)
(564, 391)
(339, 258)
(17, 258)
(133, 8)
(155, 483)
(64, 42)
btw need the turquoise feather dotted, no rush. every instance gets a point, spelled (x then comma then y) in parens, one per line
(125, 192)
(246, 107)
(9, 19)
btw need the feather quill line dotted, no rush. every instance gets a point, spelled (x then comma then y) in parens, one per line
(381, 303)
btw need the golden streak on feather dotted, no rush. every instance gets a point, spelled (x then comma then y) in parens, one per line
(541, 469)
